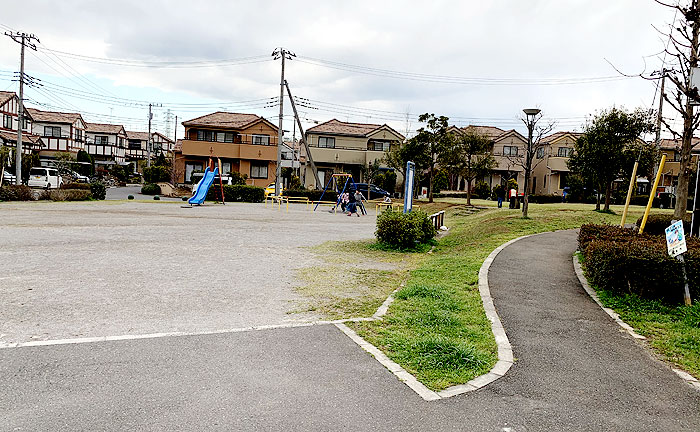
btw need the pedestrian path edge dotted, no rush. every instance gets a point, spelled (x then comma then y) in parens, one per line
(691, 380)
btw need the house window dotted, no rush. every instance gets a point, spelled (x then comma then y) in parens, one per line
(378, 145)
(121, 142)
(52, 131)
(7, 121)
(79, 135)
(258, 170)
(564, 152)
(101, 140)
(510, 151)
(226, 167)
(228, 137)
(220, 137)
(326, 142)
(540, 153)
(261, 140)
(24, 123)
(206, 136)
(189, 168)
(134, 144)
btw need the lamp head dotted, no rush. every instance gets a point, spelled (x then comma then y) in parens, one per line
(531, 112)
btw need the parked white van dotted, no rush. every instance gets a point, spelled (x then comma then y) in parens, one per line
(46, 178)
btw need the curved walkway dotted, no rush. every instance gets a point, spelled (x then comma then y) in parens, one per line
(574, 370)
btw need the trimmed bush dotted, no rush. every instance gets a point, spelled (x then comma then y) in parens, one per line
(130, 197)
(642, 200)
(657, 223)
(16, 193)
(156, 198)
(238, 193)
(76, 186)
(622, 262)
(311, 194)
(156, 173)
(404, 230)
(66, 195)
(98, 190)
(150, 189)
(544, 199)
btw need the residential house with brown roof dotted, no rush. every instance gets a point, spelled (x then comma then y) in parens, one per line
(550, 170)
(9, 111)
(60, 132)
(672, 149)
(508, 149)
(161, 143)
(342, 147)
(106, 143)
(246, 143)
(137, 145)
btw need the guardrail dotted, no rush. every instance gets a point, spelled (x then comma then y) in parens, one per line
(438, 219)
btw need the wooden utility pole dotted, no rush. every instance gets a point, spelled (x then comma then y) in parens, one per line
(24, 40)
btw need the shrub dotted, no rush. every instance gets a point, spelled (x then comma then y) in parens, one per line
(591, 232)
(311, 194)
(404, 230)
(238, 193)
(80, 186)
(130, 197)
(66, 195)
(390, 182)
(642, 200)
(16, 193)
(657, 223)
(156, 198)
(156, 173)
(98, 190)
(150, 189)
(238, 178)
(481, 190)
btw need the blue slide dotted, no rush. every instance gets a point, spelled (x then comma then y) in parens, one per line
(203, 186)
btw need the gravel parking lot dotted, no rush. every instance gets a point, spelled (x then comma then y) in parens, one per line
(90, 269)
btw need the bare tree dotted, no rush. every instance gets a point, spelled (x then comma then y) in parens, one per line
(526, 160)
(683, 51)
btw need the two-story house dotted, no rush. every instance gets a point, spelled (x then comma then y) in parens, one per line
(9, 111)
(550, 170)
(508, 149)
(246, 143)
(106, 143)
(341, 147)
(672, 149)
(60, 132)
(161, 143)
(136, 146)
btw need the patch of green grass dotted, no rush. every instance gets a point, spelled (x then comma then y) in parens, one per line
(436, 328)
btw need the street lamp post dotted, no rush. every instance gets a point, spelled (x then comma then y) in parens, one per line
(531, 119)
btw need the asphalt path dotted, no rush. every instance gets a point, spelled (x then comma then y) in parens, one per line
(574, 370)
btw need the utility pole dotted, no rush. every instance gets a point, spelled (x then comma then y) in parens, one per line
(148, 145)
(24, 40)
(658, 123)
(309, 157)
(284, 55)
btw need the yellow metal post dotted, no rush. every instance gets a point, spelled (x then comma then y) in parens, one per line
(633, 180)
(653, 192)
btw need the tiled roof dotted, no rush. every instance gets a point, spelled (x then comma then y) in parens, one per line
(53, 117)
(143, 136)
(104, 128)
(5, 96)
(162, 136)
(489, 131)
(556, 135)
(337, 127)
(12, 136)
(223, 119)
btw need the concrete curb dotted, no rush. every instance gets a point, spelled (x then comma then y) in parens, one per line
(505, 352)
(691, 380)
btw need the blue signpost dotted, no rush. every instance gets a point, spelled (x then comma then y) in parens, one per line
(408, 187)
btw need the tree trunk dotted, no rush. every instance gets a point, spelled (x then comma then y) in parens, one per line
(525, 194)
(597, 197)
(608, 193)
(684, 169)
(469, 191)
(430, 183)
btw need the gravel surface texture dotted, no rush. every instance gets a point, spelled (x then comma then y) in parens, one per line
(73, 270)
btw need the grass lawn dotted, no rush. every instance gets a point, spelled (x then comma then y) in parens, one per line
(673, 332)
(436, 329)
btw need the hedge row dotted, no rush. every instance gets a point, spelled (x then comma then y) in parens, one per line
(237, 193)
(404, 230)
(657, 223)
(311, 194)
(16, 193)
(76, 186)
(150, 189)
(66, 195)
(545, 199)
(619, 261)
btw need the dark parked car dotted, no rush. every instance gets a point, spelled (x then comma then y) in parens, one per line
(375, 191)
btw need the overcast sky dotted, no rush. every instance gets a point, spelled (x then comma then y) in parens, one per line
(361, 61)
